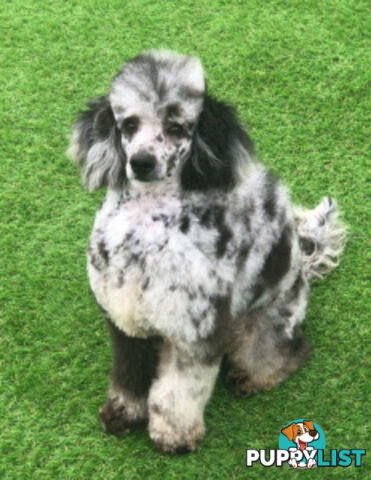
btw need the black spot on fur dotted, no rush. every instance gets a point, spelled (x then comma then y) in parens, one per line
(213, 216)
(172, 110)
(276, 265)
(145, 284)
(134, 361)
(202, 292)
(161, 217)
(133, 258)
(284, 312)
(218, 340)
(298, 345)
(270, 196)
(212, 162)
(242, 255)
(225, 235)
(257, 292)
(155, 408)
(188, 93)
(195, 321)
(121, 279)
(184, 224)
(97, 264)
(161, 90)
(129, 236)
(183, 362)
(142, 263)
(103, 251)
(119, 110)
(278, 261)
(163, 244)
(296, 287)
(279, 328)
(307, 245)
(189, 126)
(170, 165)
(148, 67)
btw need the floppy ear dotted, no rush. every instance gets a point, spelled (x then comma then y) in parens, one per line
(290, 431)
(96, 146)
(219, 143)
(309, 424)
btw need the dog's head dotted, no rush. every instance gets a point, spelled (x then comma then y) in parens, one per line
(301, 433)
(158, 124)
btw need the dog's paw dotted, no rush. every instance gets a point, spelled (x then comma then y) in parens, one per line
(245, 387)
(172, 437)
(117, 419)
(293, 463)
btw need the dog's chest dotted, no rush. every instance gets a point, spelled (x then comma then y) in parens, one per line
(151, 269)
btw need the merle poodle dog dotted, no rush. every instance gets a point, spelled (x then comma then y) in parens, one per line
(196, 254)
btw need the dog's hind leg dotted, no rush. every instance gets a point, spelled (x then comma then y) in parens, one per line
(134, 367)
(269, 345)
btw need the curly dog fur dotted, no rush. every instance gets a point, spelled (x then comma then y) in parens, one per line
(197, 252)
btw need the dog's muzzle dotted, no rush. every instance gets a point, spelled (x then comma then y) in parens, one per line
(143, 165)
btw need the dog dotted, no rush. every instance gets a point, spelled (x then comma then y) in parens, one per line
(301, 433)
(197, 253)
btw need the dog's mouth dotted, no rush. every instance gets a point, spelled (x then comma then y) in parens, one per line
(145, 178)
(302, 445)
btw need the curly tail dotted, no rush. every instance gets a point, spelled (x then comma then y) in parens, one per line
(321, 237)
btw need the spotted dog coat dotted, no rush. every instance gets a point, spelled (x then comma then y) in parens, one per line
(196, 252)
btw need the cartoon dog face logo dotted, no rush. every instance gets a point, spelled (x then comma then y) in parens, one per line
(301, 433)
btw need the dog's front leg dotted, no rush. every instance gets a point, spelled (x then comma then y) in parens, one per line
(134, 367)
(177, 399)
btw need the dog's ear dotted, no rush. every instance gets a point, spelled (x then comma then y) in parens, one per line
(290, 431)
(219, 144)
(309, 424)
(96, 146)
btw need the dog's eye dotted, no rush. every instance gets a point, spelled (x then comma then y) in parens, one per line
(130, 125)
(175, 129)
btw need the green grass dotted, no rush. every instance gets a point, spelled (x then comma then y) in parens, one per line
(297, 72)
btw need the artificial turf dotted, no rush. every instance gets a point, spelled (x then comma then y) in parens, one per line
(297, 72)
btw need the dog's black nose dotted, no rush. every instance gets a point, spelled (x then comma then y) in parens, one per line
(142, 164)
